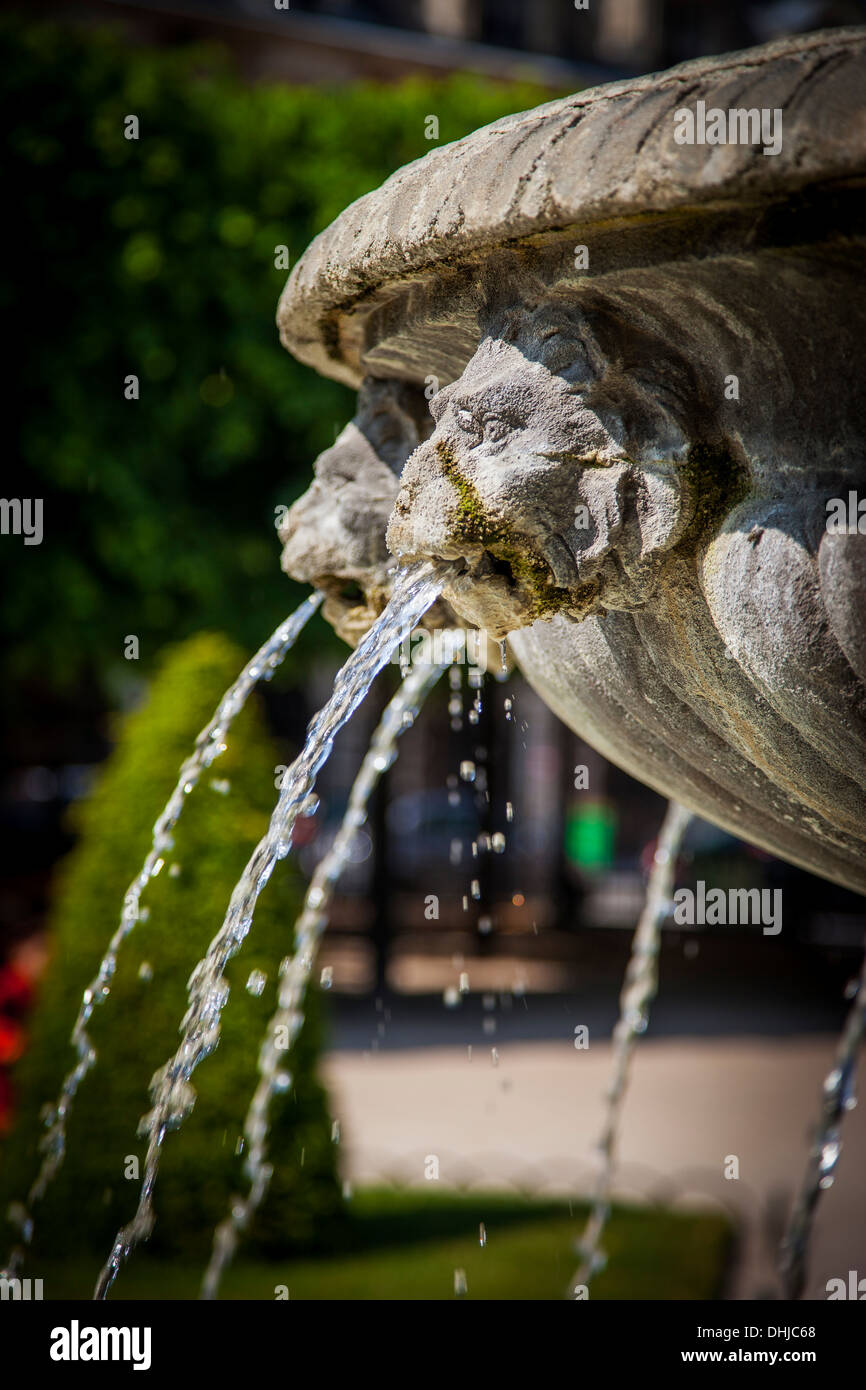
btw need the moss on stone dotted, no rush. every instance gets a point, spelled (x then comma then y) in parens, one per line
(718, 482)
(476, 527)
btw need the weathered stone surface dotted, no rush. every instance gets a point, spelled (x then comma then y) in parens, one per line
(574, 166)
(632, 464)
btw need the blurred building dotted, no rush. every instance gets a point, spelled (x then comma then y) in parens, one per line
(556, 43)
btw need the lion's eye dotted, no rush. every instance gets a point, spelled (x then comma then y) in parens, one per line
(466, 421)
(495, 429)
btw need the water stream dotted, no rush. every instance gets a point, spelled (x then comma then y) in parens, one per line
(638, 991)
(838, 1097)
(296, 969)
(208, 747)
(173, 1097)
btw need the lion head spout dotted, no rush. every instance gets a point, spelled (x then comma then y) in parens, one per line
(556, 475)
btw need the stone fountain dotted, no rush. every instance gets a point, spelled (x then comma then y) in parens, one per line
(608, 361)
(606, 355)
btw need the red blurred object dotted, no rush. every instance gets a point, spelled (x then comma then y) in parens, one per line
(16, 992)
(16, 996)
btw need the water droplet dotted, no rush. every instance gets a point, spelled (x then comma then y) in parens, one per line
(497, 841)
(509, 811)
(482, 1235)
(829, 1158)
(256, 982)
(467, 771)
(494, 1053)
(156, 868)
(464, 982)
(460, 1285)
(175, 871)
(326, 979)
(145, 972)
(282, 1081)
(485, 925)
(222, 785)
(335, 1132)
(475, 889)
(451, 997)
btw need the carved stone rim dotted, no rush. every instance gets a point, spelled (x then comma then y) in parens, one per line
(602, 156)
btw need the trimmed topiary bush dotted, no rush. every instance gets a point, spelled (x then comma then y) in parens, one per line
(136, 1029)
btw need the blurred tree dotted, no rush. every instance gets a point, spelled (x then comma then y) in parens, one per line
(136, 1030)
(154, 257)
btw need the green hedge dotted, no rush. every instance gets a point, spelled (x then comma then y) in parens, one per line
(136, 1030)
(155, 257)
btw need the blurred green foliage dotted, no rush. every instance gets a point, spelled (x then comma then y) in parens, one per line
(136, 1029)
(155, 257)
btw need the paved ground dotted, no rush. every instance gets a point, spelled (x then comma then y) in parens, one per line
(532, 1117)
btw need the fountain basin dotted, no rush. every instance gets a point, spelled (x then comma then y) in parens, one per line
(640, 358)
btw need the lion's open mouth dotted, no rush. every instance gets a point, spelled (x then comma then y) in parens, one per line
(490, 565)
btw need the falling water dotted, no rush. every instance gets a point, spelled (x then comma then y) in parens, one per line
(172, 1094)
(208, 747)
(838, 1096)
(638, 991)
(295, 972)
